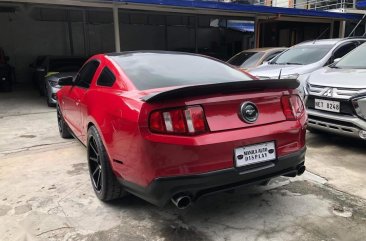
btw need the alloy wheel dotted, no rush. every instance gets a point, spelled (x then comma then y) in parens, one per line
(95, 165)
(59, 120)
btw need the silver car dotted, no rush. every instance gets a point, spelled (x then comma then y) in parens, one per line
(52, 86)
(336, 96)
(299, 61)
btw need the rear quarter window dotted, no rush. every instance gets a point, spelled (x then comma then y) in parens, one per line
(106, 78)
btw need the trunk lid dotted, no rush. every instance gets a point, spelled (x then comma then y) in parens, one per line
(224, 113)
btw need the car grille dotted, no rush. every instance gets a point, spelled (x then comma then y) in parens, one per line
(336, 93)
(346, 105)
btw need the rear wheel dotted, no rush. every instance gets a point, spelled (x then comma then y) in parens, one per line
(104, 182)
(8, 86)
(62, 126)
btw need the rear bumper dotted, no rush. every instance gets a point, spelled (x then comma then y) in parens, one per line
(335, 123)
(161, 190)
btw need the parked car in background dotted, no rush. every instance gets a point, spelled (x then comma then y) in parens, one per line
(175, 126)
(302, 59)
(46, 66)
(52, 86)
(251, 58)
(336, 98)
(37, 65)
(7, 73)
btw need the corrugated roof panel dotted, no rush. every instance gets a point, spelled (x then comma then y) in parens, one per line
(236, 7)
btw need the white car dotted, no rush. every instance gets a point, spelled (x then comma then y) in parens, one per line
(299, 61)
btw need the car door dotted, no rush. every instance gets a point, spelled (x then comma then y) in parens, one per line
(75, 96)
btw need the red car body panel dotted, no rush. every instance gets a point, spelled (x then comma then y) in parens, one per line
(139, 156)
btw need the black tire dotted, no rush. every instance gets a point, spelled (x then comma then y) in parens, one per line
(313, 130)
(7, 87)
(62, 125)
(104, 182)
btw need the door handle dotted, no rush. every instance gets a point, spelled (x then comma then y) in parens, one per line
(77, 103)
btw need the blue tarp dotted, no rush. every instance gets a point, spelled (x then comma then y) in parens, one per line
(247, 8)
(361, 4)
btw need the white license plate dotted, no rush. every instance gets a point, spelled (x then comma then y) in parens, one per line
(253, 154)
(328, 105)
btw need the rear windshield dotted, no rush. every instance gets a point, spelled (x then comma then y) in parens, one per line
(246, 59)
(158, 70)
(66, 64)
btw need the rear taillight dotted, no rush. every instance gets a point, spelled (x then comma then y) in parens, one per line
(181, 121)
(292, 106)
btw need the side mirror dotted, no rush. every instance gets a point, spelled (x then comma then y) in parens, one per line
(66, 81)
(336, 60)
(265, 62)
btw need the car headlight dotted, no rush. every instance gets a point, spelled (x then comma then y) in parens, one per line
(359, 103)
(54, 84)
(290, 76)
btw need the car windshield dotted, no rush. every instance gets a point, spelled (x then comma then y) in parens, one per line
(302, 55)
(66, 64)
(246, 59)
(158, 70)
(353, 60)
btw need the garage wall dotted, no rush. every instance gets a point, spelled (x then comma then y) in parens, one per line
(23, 38)
(27, 37)
(32, 31)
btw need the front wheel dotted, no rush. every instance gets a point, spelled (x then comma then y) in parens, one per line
(104, 182)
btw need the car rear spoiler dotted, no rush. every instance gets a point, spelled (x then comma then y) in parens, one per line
(221, 88)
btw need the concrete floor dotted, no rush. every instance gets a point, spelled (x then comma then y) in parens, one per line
(45, 192)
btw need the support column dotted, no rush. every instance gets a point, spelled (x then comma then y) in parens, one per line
(256, 33)
(196, 34)
(342, 29)
(331, 29)
(69, 27)
(166, 44)
(117, 40)
(86, 35)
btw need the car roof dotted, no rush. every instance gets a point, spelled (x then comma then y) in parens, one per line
(159, 52)
(114, 54)
(333, 41)
(267, 49)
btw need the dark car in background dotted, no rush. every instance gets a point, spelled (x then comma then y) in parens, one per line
(46, 66)
(7, 73)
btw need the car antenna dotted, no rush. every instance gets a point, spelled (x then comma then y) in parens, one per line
(279, 76)
(321, 35)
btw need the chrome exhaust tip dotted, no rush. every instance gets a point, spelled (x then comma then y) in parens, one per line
(182, 202)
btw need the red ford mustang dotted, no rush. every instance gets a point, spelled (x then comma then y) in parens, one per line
(174, 126)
